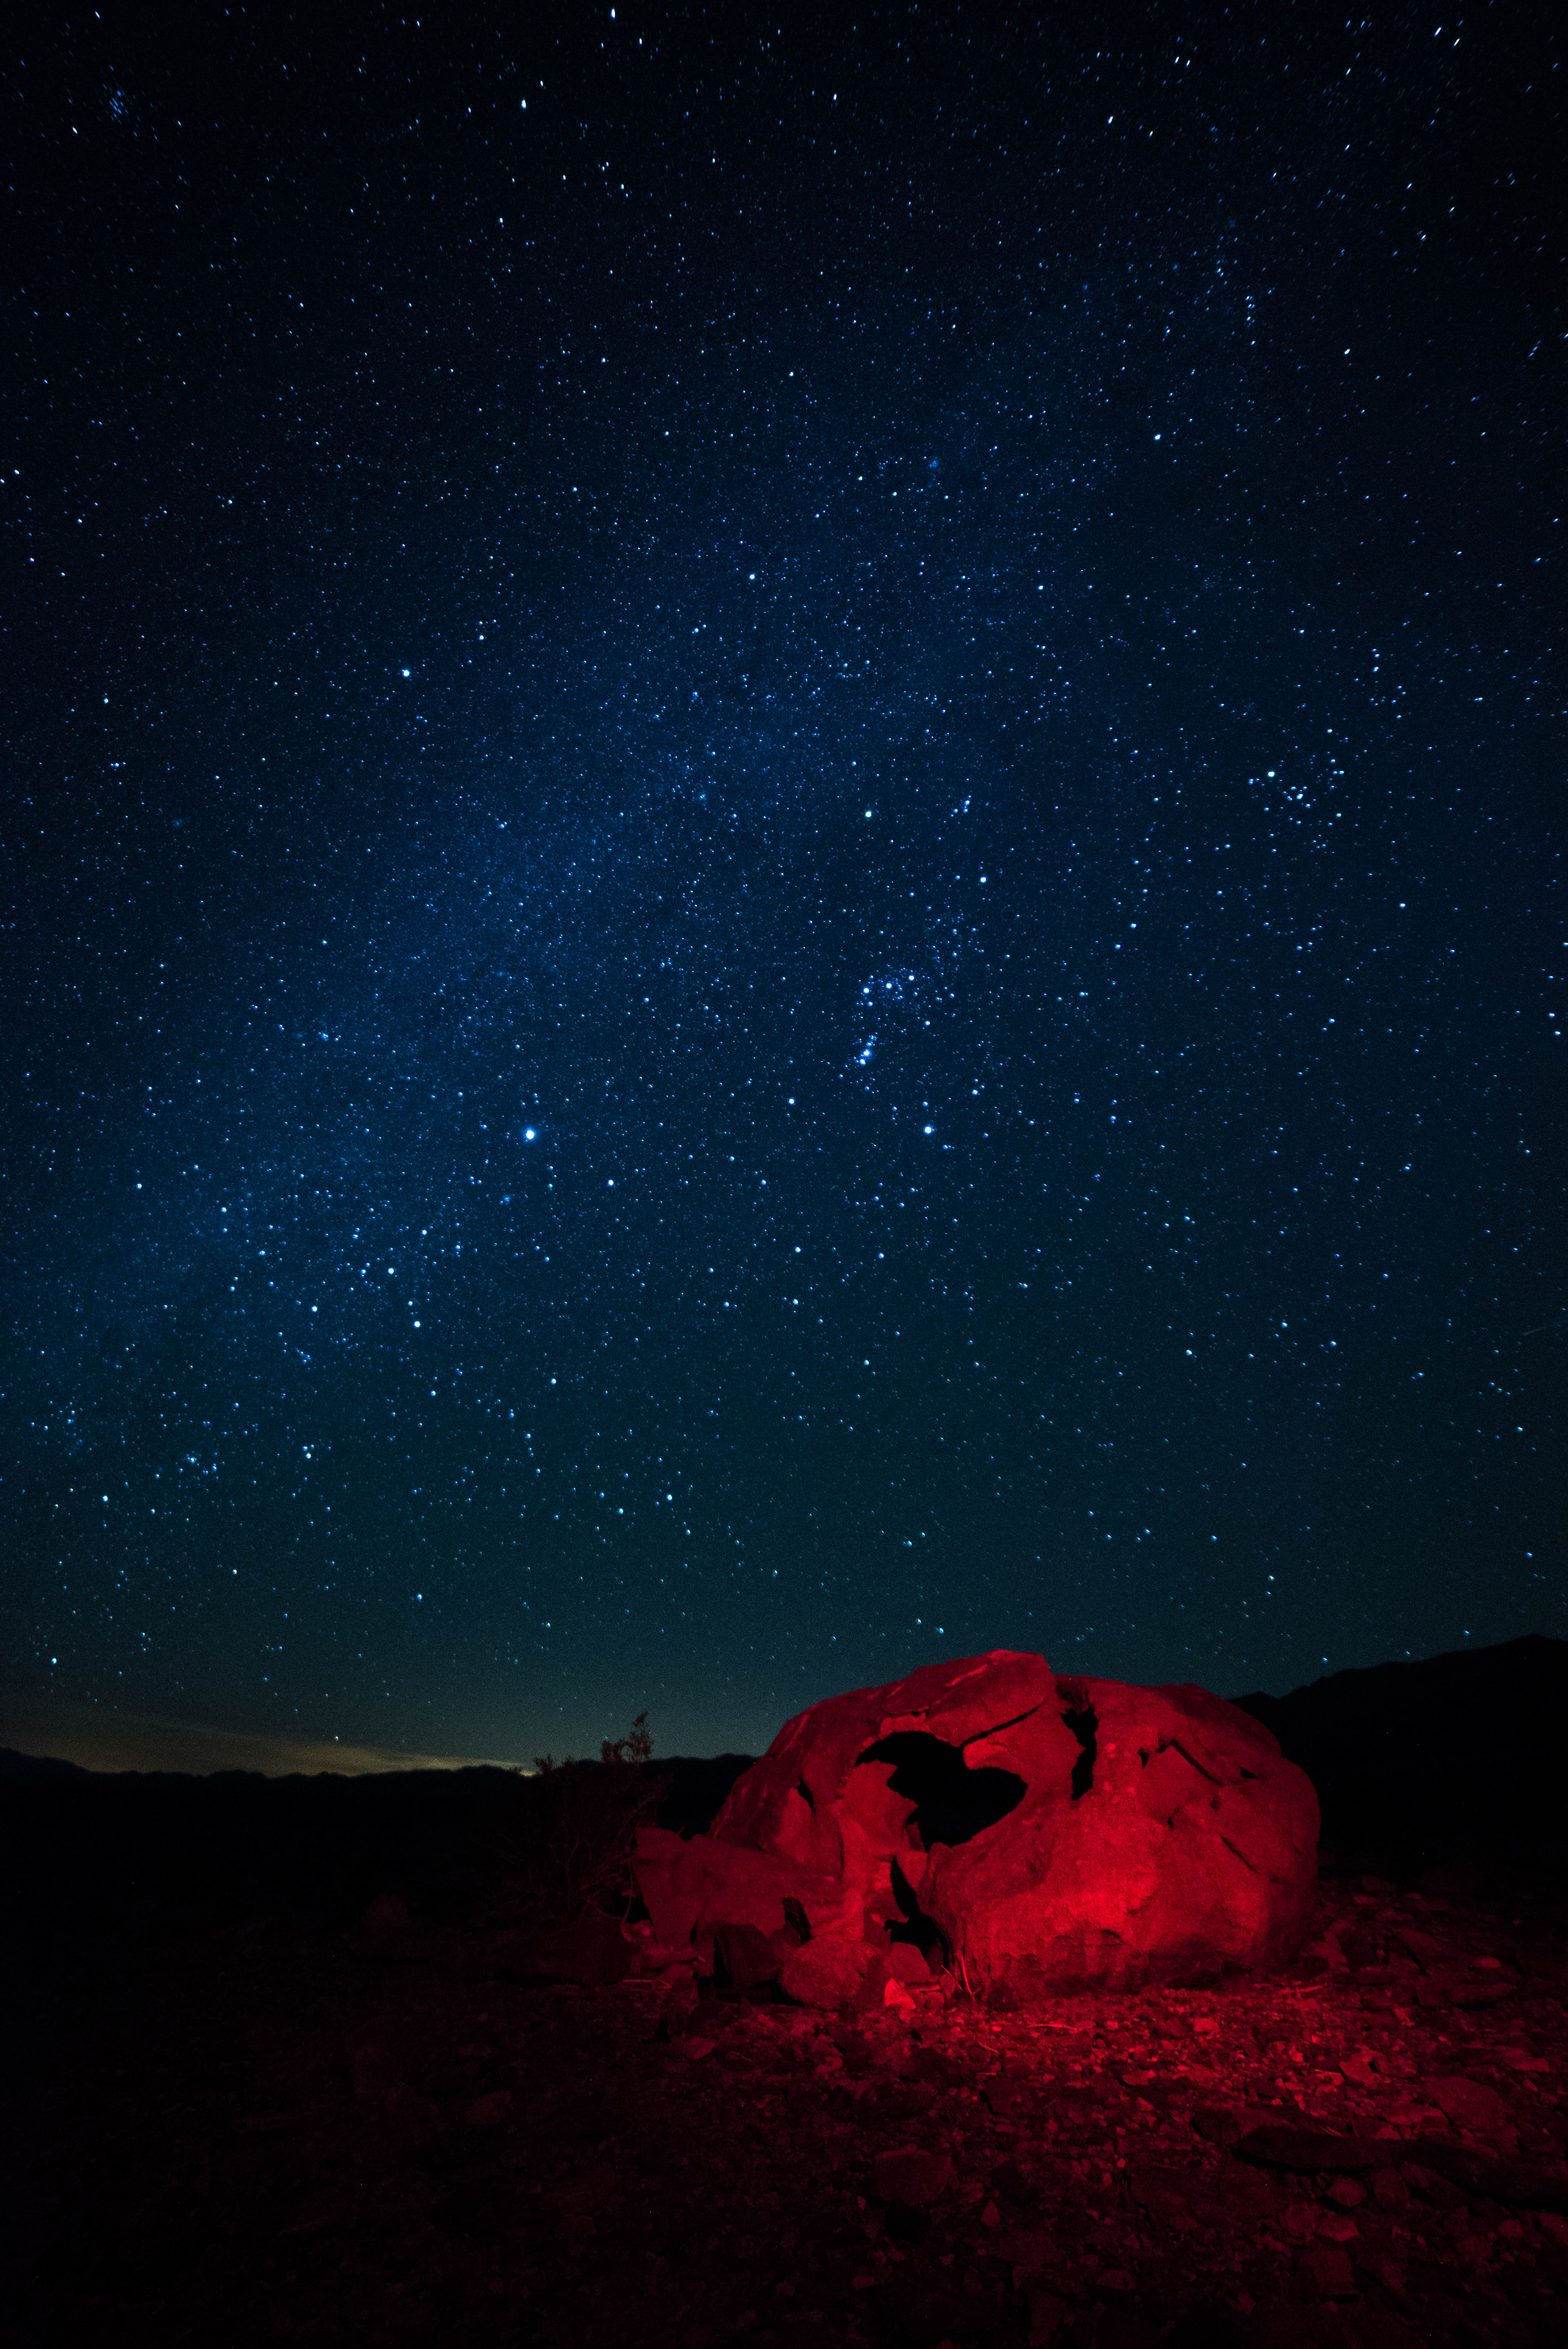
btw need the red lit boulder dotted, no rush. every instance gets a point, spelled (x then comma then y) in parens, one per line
(1044, 1833)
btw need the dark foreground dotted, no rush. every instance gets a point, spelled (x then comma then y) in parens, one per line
(278, 2130)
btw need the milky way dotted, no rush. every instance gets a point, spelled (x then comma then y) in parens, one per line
(778, 888)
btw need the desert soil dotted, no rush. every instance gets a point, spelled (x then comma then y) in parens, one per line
(270, 2134)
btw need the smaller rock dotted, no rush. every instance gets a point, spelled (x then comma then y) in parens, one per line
(1471, 2106)
(824, 1972)
(871, 1991)
(911, 2175)
(1433, 2188)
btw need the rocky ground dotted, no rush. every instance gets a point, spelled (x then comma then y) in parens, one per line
(278, 2132)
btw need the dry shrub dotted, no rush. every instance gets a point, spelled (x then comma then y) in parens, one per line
(578, 1827)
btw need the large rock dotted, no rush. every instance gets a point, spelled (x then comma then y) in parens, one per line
(1040, 1833)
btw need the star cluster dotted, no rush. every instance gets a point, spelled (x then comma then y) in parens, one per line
(779, 890)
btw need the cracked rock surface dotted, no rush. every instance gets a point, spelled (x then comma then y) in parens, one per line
(1045, 1832)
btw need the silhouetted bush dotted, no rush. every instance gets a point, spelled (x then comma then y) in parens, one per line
(580, 1823)
(93, 1851)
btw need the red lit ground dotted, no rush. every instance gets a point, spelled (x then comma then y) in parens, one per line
(271, 2136)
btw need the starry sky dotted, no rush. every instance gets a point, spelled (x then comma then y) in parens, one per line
(780, 887)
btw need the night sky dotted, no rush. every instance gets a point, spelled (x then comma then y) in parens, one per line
(778, 877)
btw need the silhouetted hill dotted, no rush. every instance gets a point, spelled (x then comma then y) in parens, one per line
(695, 1790)
(36, 1765)
(234, 1845)
(1451, 1761)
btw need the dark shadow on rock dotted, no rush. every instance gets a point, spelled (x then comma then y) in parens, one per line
(952, 1804)
(917, 1929)
(1084, 1723)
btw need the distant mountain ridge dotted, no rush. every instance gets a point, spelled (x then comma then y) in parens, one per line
(1455, 1758)
(38, 1766)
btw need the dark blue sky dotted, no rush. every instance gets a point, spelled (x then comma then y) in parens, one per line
(779, 890)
